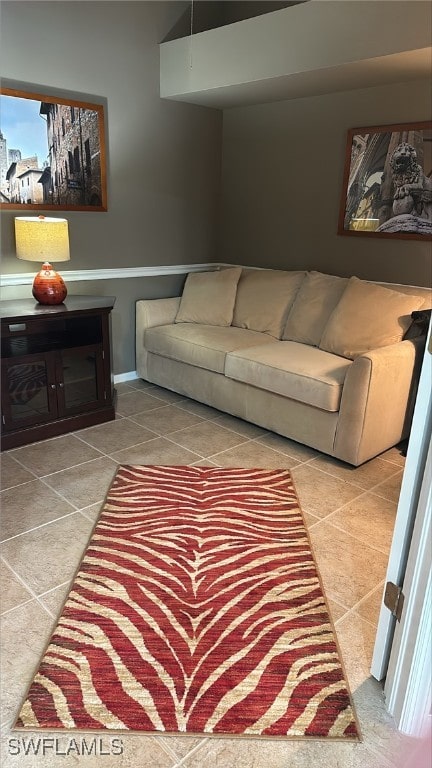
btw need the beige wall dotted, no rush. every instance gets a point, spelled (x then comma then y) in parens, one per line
(163, 157)
(281, 184)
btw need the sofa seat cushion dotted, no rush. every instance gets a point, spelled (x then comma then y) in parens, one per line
(202, 345)
(294, 370)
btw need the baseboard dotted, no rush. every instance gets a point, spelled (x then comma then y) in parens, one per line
(128, 376)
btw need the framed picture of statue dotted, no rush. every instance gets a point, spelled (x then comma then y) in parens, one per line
(52, 152)
(387, 183)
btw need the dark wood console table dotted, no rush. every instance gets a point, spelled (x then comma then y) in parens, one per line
(56, 367)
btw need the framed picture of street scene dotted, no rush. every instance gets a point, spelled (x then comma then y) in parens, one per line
(387, 183)
(52, 153)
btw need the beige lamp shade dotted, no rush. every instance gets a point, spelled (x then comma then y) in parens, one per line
(40, 238)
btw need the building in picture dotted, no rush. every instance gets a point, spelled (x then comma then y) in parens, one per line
(23, 181)
(74, 174)
(7, 157)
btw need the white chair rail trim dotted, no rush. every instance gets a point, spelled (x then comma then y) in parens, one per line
(73, 275)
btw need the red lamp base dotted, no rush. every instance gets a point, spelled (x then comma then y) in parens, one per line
(48, 286)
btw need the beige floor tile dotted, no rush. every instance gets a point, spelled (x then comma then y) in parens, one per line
(349, 569)
(56, 598)
(54, 455)
(167, 419)
(290, 447)
(370, 606)
(366, 476)
(320, 493)
(336, 610)
(92, 512)
(136, 401)
(205, 411)
(368, 513)
(166, 395)
(253, 454)
(204, 463)
(310, 519)
(394, 455)
(356, 638)
(12, 591)
(12, 473)
(140, 384)
(180, 746)
(207, 438)
(116, 435)
(281, 753)
(239, 425)
(390, 489)
(28, 506)
(25, 633)
(48, 556)
(122, 387)
(158, 451)
(84, 484)
(378, 726)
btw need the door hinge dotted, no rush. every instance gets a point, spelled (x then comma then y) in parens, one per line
(394, 599)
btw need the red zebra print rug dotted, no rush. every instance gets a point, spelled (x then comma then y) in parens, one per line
(197, 608)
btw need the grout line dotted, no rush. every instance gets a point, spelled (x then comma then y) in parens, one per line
(134, 445)
(28, 588)
(365, 490)
(353, 608)
(163, 744)
(205, 456)
(20, 464)
(42, 525)
(35, 596)
(198, 747)
(351, 535)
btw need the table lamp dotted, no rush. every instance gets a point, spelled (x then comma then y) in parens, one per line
(40, 238)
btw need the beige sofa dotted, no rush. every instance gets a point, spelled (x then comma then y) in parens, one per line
(320, 359)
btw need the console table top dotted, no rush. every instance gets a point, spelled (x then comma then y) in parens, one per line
(14, 308)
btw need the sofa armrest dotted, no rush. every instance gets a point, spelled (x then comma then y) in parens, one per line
(149, 313)
(377, 401)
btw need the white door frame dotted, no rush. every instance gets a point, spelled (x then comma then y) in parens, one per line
(411, 528)
(408, 683)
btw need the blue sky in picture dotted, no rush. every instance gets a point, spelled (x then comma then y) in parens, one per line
(23, 127)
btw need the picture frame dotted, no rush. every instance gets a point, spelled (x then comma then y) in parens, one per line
(387, 182)
(52, 153)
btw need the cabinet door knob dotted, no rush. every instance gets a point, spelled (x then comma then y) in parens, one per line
(61, 385)
(53, 386)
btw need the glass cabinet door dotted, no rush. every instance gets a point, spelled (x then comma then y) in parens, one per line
(80, 378)
(29, 391)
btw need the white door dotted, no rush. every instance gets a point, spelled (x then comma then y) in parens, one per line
(408, 686)
(407, 509)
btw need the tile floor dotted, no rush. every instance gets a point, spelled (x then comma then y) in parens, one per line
(52, 492)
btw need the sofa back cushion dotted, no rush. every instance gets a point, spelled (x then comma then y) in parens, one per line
(368, 316)
(208, 297)
(264, 298)
(318, 296)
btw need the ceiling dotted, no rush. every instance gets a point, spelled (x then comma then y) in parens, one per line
(254, 52)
